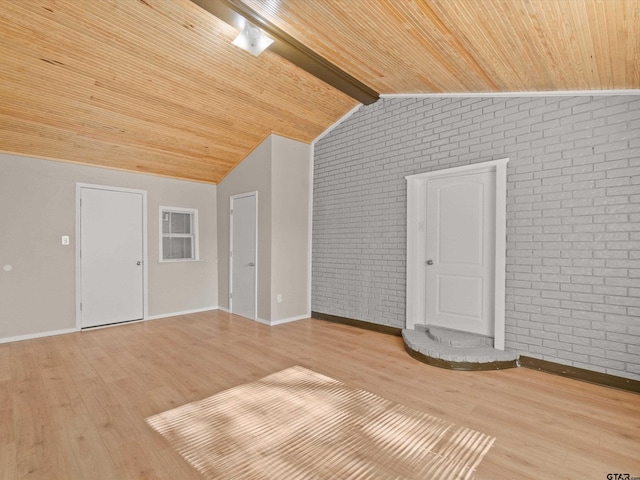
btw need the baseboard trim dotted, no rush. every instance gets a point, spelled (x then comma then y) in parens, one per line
(273, 323)
(460, 366)
(599, 378)
(289, 320)
(261, 320)
(31, 336)
(51, 333)
(145, 319)
(184, 312)
(375, 327)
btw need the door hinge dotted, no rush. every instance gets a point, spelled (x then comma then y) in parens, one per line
(80, 306)
(231, 295)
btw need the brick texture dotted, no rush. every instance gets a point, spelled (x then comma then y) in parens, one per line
(573, 215)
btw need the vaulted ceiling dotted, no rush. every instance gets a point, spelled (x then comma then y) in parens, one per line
(156, 86)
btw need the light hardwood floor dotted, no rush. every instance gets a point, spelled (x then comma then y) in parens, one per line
(73, 406)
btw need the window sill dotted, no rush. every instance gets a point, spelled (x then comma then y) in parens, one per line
(181, 260)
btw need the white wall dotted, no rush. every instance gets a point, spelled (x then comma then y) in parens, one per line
(37, 207)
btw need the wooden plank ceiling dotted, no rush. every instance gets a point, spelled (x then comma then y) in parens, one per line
(155, 86)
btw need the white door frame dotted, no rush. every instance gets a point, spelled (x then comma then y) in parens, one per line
(145, 269)
(416, 241)
(231, 200)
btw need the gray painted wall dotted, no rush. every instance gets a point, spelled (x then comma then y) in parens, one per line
(253, 174)
(573, 219)
(37, 207)
(291, 201)
(279, 169)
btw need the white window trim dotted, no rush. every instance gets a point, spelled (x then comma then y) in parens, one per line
(195, 234)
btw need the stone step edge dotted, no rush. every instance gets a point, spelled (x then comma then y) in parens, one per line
(456, 358)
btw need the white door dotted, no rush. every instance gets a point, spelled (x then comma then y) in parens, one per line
(460, 265)
(111, 256)
(242, 295)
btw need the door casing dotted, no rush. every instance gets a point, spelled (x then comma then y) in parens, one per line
(145, 295)
(416, 241)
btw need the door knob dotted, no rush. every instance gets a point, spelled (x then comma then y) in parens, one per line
(251, 264)
(138, 262)
(429, 262)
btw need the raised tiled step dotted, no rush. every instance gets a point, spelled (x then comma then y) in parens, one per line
(456, 350)
(456, 338)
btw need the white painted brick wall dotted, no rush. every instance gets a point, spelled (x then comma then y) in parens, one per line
(573, 215)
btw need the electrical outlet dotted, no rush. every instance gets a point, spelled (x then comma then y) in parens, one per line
(65, 239)
(279, 298)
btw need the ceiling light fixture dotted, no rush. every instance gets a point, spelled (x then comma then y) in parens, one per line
(252, 39)
(236, 13)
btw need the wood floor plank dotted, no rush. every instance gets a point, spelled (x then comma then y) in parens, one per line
(8, 462)
(22, 363)
(74, 406)
(78, 436)
(38, 451)
(5, 362)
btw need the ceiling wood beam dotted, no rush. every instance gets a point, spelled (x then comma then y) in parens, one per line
(234, 11)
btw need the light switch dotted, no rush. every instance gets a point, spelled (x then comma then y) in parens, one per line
(65, 239)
